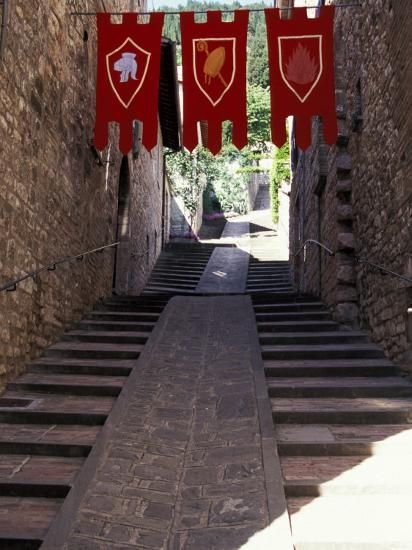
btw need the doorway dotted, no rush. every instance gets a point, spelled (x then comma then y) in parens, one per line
(122, 254)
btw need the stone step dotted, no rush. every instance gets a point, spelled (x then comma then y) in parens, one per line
(330, 367)
(262, 298)
(318, 351)
(35, 471)
(343, 387)
(288, 338)
(122, 316)
(25, 521)
(266, 279)
(178, 275)
(166, 283)
(156, 299)
(263, 270)
(178, 270)
(44, 449)
(300, 326)
(30, 416)
(125, 307)
(172, 289)
(279, 291)
(48, 434)
(49, 403)
(289, 307)
(268, 282)
(113, 337)
(94, 351)
(183, 263)
(342, 411)
(66, 365)
(340, 440)
(69, 384)
(346, 475)
(315, 315)
(373, 522)
(125, 326)
(275, 263)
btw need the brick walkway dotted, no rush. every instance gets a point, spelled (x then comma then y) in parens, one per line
(187, 458)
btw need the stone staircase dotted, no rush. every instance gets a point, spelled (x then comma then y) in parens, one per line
(343, 422)
(51, 415)
(179, 268)
(342, 412)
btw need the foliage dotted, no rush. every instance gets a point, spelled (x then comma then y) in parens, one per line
(258, 107)
(280, 171)
(251, 170)
(190, 174)
(185, 172)
(258, 66)
(226, 175)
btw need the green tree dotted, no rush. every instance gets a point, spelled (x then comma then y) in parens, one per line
(258, 67)
(280, 171)
(258, 107)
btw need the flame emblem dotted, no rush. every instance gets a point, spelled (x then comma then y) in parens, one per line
(301, 67)
(300, 63)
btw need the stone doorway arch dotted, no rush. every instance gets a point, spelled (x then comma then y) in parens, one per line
(122, 256)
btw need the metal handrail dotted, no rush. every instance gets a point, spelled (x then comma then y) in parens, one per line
(313, 241)
(12, 285)
(383, 269)
(357, 258)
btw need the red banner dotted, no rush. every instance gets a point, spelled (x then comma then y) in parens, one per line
(214, 77)
(128, 69)
(301, 73)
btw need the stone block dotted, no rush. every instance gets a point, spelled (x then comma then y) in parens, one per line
(346, 294)
(343, 186)
(346, 241)
(344, 212)
(346, 274)
(347, 313)
(343, 162)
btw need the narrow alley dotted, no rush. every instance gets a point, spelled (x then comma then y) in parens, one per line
(205, 275)
(151, 425)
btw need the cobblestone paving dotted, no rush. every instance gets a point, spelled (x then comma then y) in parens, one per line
(182, 467)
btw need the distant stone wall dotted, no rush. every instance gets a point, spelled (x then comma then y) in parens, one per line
(255, 180)
(365, 195)
(54, 199)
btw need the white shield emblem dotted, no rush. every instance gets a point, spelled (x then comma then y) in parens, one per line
(127, 68)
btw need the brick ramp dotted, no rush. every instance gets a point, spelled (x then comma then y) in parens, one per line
(187, 457)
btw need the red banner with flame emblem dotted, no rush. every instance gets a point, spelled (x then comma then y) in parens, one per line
(301, 73)
(214, 77)
(128, 69)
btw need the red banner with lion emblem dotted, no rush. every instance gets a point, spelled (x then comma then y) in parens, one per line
(214, 77)
(301, 73)
(128, 69)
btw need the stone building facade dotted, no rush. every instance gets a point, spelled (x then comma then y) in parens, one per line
(356, 197)
(57, 198)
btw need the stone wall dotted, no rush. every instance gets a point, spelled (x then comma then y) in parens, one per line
(54, 199)
(255, 180)
(366, 201)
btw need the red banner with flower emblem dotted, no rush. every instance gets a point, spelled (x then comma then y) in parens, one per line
(214, 77)
(128, 69)
(301, 73)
